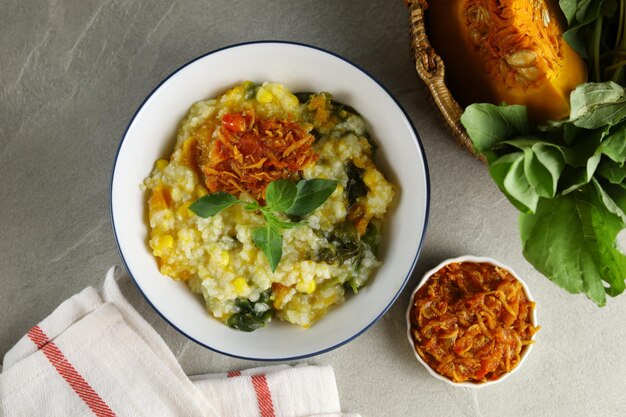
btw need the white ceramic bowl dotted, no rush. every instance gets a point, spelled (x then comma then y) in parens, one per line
(151, 135)
(427, 275)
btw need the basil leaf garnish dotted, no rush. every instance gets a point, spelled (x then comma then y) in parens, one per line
(211, 204)
(310, 195)
(280, 195)
(270, 241)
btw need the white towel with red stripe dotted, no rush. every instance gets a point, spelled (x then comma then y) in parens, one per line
(96, 356)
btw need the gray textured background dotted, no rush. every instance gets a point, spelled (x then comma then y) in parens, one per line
(72, 73)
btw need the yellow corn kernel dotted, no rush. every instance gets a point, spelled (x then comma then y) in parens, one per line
(224, 258)
(372, 177)
(306, 286)
(240, 284)
(264, 96)
(166, 241)
(161, 164)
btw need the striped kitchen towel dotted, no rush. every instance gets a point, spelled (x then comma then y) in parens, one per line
(96, 356)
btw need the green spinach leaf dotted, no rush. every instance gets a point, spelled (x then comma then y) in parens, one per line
(614, 146)
(543, 164)
(372, 237)
(595, 105)
(344, 244)
(580, 15)
(508, 174)
(355, 186)
(613, 203)
(252, 315)
(571, 240)
(613, 172)
(352, 285)
(489, 125)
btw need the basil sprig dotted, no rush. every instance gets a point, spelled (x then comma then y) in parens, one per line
(281, 196)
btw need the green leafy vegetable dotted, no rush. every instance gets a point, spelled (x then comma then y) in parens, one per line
(543, 165)
(581, 15)
(270, 241)
(614, 146)
(611, 171)
(351, 284)
(611, 202)
(597, 31)
(508, 173)
(488, 125)
(345, 245)
(595, 105)
(250, 90)
(568, 180)
(355, 187)
(310, 195)
(211, 204)
(282, 196)
(252, 315)
(571, 240)
(372, 237)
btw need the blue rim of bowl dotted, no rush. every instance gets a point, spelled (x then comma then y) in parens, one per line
(419, 249)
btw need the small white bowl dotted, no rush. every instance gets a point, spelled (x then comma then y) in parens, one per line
(151, 135)
(477, 259)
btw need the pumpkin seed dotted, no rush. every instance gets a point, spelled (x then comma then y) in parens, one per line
(522, 58)
(530, 73)
(476, 37)
(478, 15)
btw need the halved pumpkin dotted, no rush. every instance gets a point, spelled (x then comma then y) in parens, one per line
(508, 51)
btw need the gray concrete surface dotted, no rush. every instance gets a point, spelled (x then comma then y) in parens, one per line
(72, 73)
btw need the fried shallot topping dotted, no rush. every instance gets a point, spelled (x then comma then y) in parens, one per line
(249, 153)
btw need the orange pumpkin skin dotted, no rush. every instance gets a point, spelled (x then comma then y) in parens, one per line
(509, 51)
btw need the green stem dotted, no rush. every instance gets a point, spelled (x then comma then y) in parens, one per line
(595, 47)
(615, 65)
(620, 25)
(620, 44)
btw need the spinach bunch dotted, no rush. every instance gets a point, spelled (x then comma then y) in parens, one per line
(568, 179)
(281, 196)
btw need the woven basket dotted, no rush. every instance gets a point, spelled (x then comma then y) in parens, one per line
(431, 70)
